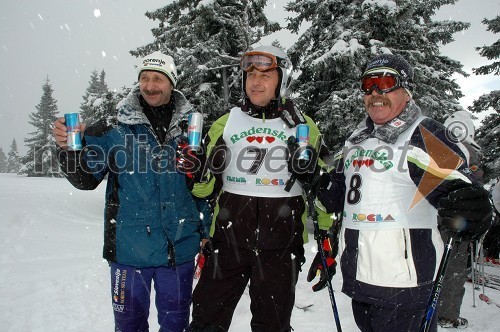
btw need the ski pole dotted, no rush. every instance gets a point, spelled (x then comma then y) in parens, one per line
(311, 192)
(314, 216)
(473, 273)
(436, 288)
(481, 261)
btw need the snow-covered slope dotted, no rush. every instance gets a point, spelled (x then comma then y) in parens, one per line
(52, 276)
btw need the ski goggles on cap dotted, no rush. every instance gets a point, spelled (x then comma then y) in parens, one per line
(259, 61)
(381, 82)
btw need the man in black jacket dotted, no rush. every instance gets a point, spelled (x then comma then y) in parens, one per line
(258, 227)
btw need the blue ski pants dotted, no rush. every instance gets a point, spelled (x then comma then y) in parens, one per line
(131, 289)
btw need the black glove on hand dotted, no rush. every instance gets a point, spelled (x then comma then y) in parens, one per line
(190, 162)
(303, 169)
(466, 210)
(330, 250)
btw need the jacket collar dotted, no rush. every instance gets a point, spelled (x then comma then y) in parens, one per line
(284, 109)
(269, 112)
(390, 131)
(131, 112)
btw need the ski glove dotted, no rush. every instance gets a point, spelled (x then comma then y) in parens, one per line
(306, 170)
(330, 251)
(466, 210)
(190, 162)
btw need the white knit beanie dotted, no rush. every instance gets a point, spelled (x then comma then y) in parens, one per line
(160, 62)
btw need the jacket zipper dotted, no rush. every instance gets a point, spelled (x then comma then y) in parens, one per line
(171, 254)
(406, 243)
(406, 253)
(257, 229)
(150, 128)
(170, 245)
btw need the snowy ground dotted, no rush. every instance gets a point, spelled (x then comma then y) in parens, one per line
(52, 276)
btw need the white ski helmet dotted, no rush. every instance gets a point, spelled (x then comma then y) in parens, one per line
(157, 61)
(265, 58)
(461, 125)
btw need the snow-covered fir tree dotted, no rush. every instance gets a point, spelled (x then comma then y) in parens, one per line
(344, 35)
(119, 95)
(13, 158)
(3, 161)
(488, 135)
(206, 40)
(41, 159)
(98, 101)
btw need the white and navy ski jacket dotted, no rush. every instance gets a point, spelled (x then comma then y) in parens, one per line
(387, 184)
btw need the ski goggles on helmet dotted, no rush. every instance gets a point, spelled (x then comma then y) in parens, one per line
(260, 61)
(380, 82)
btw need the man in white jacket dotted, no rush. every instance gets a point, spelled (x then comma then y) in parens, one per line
(398, 170)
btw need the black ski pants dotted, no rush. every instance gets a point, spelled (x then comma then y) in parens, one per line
(377, 318)
(272, 276)
(453, 289)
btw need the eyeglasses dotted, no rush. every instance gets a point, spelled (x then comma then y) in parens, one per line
(382, 83)
(259, 61)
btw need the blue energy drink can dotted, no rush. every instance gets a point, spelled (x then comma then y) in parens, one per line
(195, 126)
(73, 129)
(302, 135)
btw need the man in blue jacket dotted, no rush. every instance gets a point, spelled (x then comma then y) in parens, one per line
(153, 226)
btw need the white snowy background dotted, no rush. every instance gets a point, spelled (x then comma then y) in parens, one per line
(52, 276)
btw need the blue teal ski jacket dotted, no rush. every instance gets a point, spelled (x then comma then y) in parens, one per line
(151, 218)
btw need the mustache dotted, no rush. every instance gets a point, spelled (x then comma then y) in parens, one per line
(377, 99)
(151, 92)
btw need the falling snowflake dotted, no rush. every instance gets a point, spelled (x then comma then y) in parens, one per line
(97, 13)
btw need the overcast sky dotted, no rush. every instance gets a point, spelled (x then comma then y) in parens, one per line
(65, 40)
